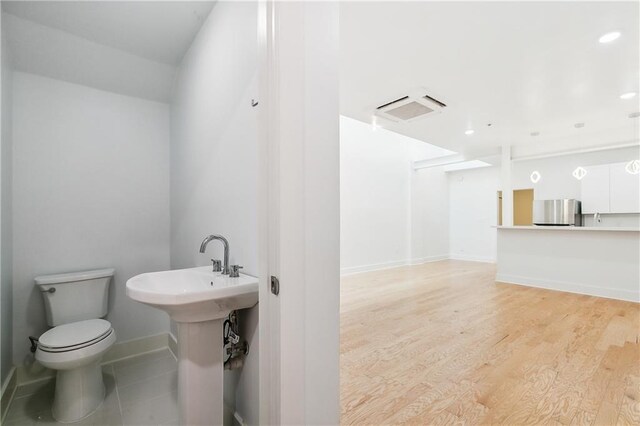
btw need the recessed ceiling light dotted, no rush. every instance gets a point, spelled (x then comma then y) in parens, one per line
(609, 37)
(469, 132)
(628, 95)
(578, 125)
(535, 133)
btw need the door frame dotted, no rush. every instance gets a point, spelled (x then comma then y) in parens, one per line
(299, 217)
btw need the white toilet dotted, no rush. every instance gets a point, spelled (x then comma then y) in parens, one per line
(74, 304)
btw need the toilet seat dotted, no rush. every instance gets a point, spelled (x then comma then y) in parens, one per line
(74, 336)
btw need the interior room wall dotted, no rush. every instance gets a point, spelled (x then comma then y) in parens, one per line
(473, 210)
(214, 165)
(473, 203)
(429, 215)
(557, 180)
(91, 190)
(380, 226)
(375, 197)
(6, 225)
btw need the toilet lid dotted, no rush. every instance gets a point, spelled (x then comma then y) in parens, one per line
(75, 333)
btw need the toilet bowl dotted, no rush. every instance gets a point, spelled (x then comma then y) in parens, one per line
(75, 351)
(74, 303)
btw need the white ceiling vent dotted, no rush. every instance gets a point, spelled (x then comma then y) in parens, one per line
(409, 108)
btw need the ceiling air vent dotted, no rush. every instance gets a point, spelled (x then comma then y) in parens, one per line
(410, 107)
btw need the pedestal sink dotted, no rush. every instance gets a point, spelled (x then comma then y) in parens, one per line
(198, 300)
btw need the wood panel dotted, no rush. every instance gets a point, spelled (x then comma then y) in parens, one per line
(523, 207)
(442, 343)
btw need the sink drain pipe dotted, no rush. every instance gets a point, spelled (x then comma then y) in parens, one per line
(236, 347)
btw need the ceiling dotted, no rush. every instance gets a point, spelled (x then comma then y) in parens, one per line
(130, 48)
(522, 67)
(160, 31)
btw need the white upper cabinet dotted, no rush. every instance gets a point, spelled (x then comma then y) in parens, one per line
(609, 188)
(624, 189)
(595, 190)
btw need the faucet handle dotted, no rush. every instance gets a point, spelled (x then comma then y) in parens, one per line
(235, 271)
(217, 265)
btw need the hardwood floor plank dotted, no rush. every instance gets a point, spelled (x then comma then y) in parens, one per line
(442, 343)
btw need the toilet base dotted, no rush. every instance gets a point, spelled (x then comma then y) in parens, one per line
(79, 392)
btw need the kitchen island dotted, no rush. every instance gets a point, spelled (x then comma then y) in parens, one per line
(597, 261)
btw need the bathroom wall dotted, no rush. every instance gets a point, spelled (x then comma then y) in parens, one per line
(390, 215)
(214, 165)
(6, 226)
(50, 52)
(91, 190)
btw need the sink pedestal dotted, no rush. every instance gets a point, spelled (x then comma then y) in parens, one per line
(199, 300)
(200, 372)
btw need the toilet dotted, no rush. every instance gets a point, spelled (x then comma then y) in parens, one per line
(74, 304)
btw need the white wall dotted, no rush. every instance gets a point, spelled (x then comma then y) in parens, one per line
(375, 197)
(429, 215)
(472, 213)
(6, 225)
(557, 180)
(91, 190)
(53, 53)
(473, 205)
(379, 224)
(214, 165)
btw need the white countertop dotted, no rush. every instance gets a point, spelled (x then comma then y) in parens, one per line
(571, 228)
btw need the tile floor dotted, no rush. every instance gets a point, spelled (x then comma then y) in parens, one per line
(140, 391)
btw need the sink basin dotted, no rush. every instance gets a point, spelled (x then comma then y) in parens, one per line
(198, 300)
(194, 294)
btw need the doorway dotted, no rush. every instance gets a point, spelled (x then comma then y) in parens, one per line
(522, 207)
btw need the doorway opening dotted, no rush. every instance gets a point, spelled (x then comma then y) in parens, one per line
(522, 207)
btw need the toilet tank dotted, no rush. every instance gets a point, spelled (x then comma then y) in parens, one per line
(75, 296)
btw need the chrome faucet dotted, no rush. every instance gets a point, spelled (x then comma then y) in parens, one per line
(207, 240)
(596, 219)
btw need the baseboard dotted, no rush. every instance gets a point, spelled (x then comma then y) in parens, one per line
(35, 372)
(471, 258)
(390, 265)
(373, 267)
(569, 287)
(135, 347)
(428, 259)
(8, 391)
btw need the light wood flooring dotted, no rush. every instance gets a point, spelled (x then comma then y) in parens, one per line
(442, 343)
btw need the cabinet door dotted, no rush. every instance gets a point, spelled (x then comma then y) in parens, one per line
(625, 190)
(595, 190)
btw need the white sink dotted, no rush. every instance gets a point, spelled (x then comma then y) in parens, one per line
(194, 294)
(198, 300)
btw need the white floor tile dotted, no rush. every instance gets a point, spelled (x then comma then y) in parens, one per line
(129, 374)
(162, 410)
(142, 359)
(32, 388)
(147, 389)
(139, 391)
